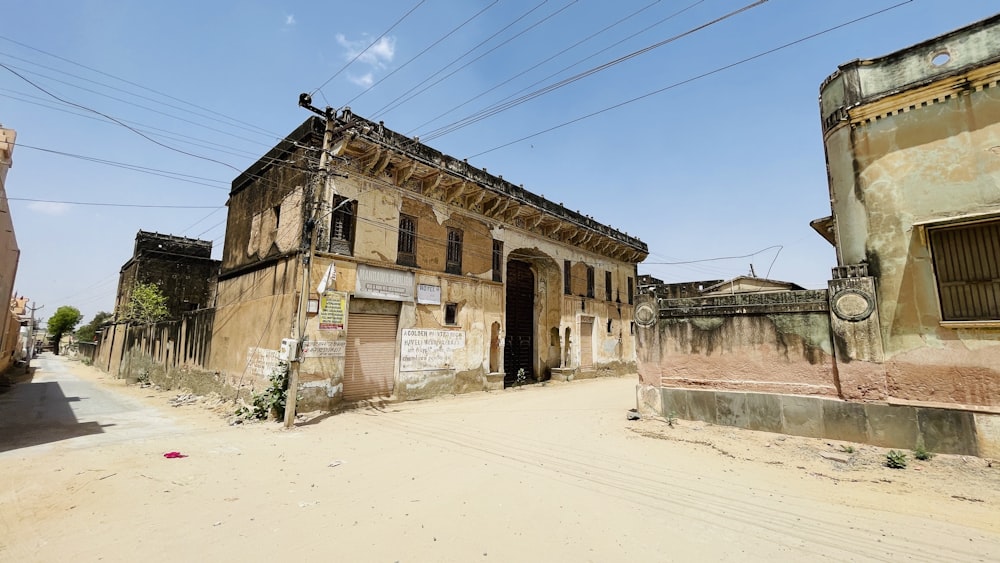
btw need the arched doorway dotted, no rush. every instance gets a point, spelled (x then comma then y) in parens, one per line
(519, 342)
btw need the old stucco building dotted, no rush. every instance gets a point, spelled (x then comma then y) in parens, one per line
(903, 347)
(9, 257)
(429, 276)
(181, 267)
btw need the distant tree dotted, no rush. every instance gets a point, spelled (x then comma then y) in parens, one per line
(62, 321)
(147, 304)
(87, 332)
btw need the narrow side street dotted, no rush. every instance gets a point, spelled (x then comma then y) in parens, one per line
(551, 472)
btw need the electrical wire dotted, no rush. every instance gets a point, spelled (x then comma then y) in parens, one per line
(373, 43)
(147, 89)
(107, 204)
(694, 78)
(538, 64)
(499, 108)
(134, 167)
(119, 122)
(501, 44)
(379, 112)
(428, 48)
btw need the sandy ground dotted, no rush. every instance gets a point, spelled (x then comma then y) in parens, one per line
(545, 473)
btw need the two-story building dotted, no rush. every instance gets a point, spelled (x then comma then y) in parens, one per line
(429, 275)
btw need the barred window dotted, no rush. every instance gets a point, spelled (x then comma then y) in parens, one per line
(342, 225)
(607, 286)
(967, 270)
(406, 247)
(453, 262)
(590, 281)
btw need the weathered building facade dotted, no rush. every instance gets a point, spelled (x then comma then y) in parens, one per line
(429, 276)
(181, 267)
(9, 256)
(913, 150)
(903, 348)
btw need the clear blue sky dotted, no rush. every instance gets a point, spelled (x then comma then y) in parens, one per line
(724, 165)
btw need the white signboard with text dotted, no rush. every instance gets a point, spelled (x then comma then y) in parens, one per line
(423, 349)
(324, 348)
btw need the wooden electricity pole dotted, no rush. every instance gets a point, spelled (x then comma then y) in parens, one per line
(308, 245)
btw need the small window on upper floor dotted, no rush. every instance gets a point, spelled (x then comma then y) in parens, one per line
(567, 277)
(607, 286)
(590, 281)
(450, 313)
(406, 246)
(498, 260)
(453, 262)
(631, 290)
(342, 223)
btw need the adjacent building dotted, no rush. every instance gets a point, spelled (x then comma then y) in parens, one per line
(181, 267)
(903, 347)
(9, 256)
(429, 275)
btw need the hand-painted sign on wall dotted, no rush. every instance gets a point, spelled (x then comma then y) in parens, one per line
(429, 349)
(261, 361)
(428, 294)
(324, 348)
(383, 283)
(332, 306)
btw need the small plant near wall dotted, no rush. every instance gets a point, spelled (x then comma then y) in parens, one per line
(895, 460)
(270, 402)
(522, 377)
(921, 453)
(847, 449)
(672, 419)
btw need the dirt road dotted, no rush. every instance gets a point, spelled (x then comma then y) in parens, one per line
(553, 473)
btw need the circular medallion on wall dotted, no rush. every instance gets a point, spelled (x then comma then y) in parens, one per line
(852, 304)
(645, 314)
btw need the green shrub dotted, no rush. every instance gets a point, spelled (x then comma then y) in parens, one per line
(895, 460)
(921, 453)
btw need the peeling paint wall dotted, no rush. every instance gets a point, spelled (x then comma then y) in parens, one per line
(910, 142)
(776, 352)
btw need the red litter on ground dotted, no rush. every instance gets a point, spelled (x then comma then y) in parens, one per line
(173, 455)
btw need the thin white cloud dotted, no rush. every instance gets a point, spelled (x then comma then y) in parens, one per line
(289, 20)
(365, 80)
(49, 208)
(376, 55)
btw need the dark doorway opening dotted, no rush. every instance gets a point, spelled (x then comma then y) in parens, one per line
(519, 343)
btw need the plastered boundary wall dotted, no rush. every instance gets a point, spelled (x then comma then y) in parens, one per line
(892, 426)
(172, 354)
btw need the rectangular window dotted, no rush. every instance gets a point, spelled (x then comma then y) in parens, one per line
(406, 246)
(590, 281)
(342, 225)
(631, 290)
(567, 278)
(497, 260)
(450, 312)
(277, 215)
(607, 286)
(967, 269)
(453, 262)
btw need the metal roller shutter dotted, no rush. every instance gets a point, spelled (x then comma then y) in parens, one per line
(371, 355)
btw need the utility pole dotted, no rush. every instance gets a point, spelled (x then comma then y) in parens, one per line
(31, 336)
(308, 248)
